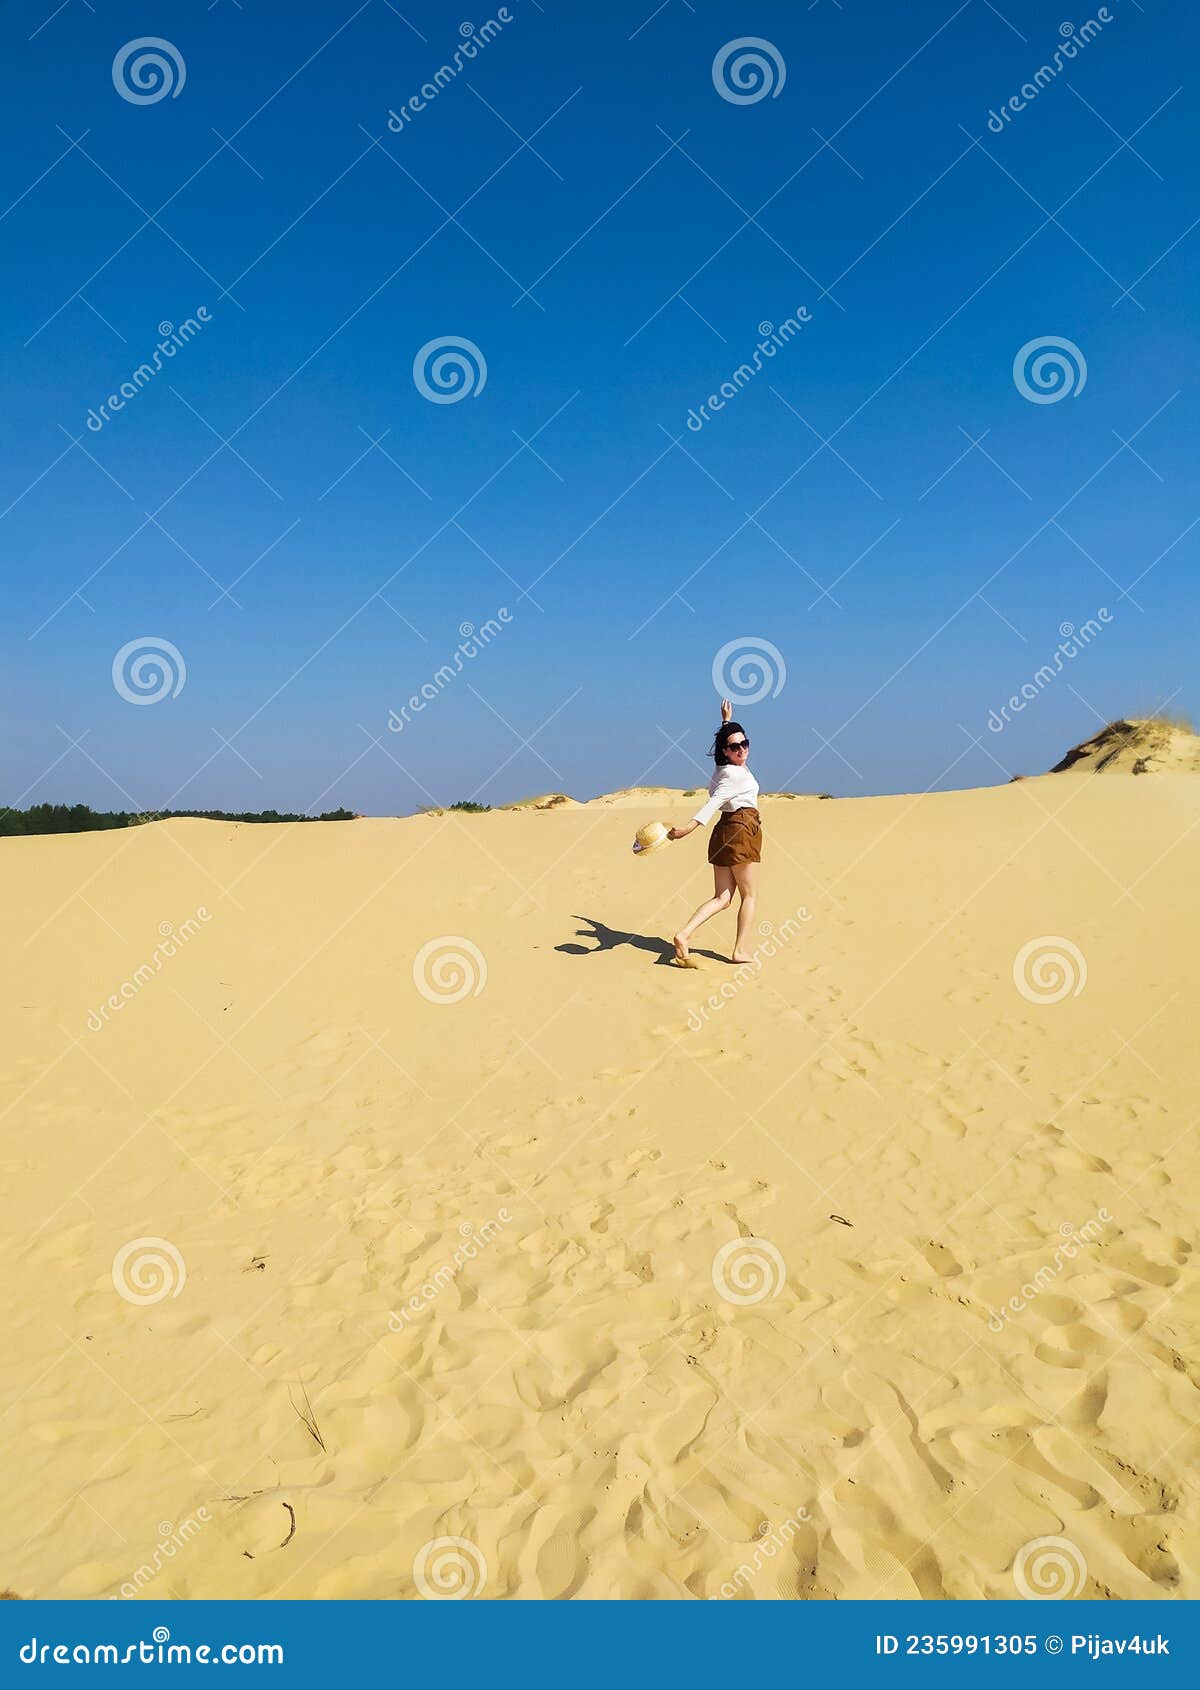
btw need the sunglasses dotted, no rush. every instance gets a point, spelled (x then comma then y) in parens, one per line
(737, 745)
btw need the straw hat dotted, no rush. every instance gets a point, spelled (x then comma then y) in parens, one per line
(650, 838)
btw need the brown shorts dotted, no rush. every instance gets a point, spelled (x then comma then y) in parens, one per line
(736, 839)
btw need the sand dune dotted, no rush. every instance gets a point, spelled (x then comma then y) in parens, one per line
(638, 797)
(546, 801)
(1137, 746)
(850, 1276)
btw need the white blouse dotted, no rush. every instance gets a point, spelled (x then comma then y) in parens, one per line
(729, 789)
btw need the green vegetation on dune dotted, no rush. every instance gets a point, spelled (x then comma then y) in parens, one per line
(80, 818)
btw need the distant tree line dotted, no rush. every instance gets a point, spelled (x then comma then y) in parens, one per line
(80, 818)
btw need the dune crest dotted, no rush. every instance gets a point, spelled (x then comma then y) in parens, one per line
(638, 797)
(545, 801)
(1136, 746)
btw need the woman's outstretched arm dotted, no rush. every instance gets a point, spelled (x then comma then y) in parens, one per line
(690, 827)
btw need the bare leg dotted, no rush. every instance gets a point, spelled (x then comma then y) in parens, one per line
(721, 899)
(746, 878)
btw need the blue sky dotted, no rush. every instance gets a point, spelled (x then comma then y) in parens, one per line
(584, 206)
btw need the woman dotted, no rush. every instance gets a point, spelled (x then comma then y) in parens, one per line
(735, 848)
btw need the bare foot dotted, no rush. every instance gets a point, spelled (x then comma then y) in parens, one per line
(683, 957)
(739, 957)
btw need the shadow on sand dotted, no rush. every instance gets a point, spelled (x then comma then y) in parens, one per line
(608, 938)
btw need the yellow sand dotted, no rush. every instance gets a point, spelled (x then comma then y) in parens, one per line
(318, 1141)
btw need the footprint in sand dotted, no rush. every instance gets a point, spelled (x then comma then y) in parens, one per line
(561, 1561)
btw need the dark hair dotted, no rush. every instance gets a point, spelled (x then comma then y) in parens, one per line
(726, 731)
